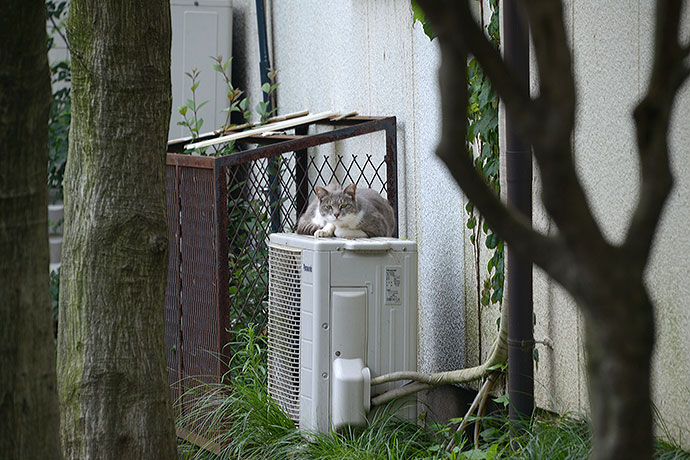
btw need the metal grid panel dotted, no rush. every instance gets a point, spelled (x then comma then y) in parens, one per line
(263, 190)
(172, 288)
(218, 265)
(199, 323)
(284, 328)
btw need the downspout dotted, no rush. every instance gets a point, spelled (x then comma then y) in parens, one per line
(273, 165)
(519, 181)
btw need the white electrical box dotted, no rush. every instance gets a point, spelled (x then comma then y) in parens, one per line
(201, 29)
(341, 312)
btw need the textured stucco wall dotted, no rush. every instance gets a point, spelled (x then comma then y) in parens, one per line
(612, 45)
(367, 56)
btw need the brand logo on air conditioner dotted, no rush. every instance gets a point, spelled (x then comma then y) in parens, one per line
(306, 268)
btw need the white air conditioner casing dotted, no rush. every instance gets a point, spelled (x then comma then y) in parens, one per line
(341, 312)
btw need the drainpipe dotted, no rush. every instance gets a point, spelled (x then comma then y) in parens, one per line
(273, 166)
(519, 180)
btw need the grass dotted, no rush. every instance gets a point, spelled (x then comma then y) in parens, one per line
(246, 423)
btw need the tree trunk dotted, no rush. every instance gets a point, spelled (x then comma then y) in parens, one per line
(28, 397)
(618, 365)
(112, 380)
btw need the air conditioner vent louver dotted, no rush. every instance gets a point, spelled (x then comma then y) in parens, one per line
(284, 327)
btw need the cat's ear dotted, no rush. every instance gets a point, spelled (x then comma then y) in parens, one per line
(351, 190)
(321, 192)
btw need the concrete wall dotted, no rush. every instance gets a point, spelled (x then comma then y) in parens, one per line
(366, 56)
(612, 45)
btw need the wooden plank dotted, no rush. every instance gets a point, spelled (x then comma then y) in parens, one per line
(192, 161)
(265, 128)
(197, 440)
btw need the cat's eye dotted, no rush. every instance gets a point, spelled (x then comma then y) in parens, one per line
(329, 207)
(343, 206)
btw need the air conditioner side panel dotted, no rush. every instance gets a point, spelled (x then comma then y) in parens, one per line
(391, 280)
(315, 377)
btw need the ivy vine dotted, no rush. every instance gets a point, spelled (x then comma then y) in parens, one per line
(482, 146)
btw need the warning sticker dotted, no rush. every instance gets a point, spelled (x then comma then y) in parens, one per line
(393, 287)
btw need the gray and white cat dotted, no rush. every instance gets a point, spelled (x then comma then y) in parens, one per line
(347, 213)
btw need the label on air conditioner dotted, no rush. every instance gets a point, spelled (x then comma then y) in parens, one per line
(393, 285)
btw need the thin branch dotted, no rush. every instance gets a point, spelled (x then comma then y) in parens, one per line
(510, 225)
(488, 383)
(453, 22)
(556, 82)
(562, 193)
(57, 29)
(652, 117)
(458, 34)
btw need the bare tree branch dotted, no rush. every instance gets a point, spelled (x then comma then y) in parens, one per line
(453, 22)
(652, 117)
(562, 193)
(507, 223)
(556, 84)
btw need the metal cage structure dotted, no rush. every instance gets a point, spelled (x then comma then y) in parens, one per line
(220, 212)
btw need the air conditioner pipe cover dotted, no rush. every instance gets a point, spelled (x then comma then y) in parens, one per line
(351, 392)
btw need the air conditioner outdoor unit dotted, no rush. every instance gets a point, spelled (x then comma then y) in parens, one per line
(340, 313)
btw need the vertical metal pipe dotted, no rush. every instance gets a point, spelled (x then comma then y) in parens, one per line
(273, 163)
(301, 175)
(519, 179)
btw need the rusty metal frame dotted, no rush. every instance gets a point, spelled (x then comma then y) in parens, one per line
(269, 146)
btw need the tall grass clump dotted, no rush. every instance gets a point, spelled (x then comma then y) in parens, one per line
(237, 415)
(241, 421)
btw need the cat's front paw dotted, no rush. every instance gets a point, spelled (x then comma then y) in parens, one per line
(323, 233)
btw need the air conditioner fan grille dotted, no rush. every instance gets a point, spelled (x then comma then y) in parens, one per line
(284, 299)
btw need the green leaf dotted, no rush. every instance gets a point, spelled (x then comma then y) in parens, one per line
(217, 67)
(472, 222)
(503, 399)
(485, 94)
(266, 87)
(418, 15)
(475, 454)
(182, 110)
(194, 86)
(491, 241)
(201, 105)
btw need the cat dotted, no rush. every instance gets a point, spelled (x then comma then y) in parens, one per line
(347, 213)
